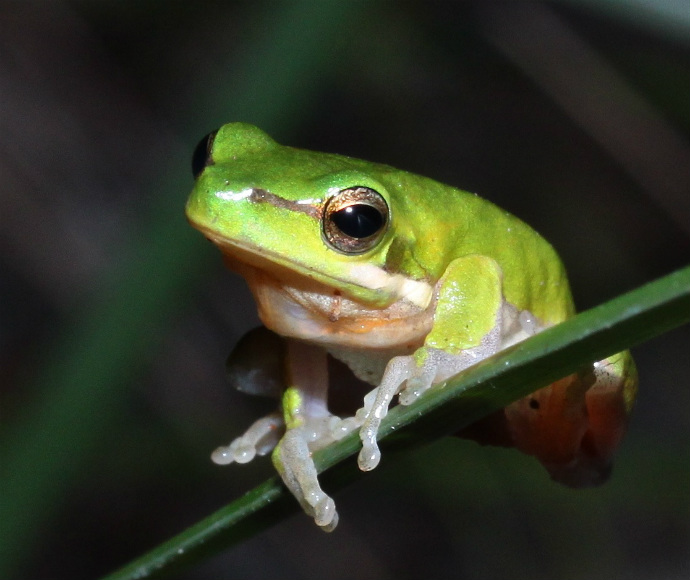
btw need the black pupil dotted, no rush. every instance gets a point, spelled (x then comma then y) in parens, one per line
(358, 220)
(201, 156)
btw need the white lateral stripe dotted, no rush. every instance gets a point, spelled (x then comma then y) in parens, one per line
(419, 293)
(416, 291)
(234, 195)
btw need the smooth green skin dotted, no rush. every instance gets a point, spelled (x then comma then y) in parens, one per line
(430, 224)
(447, 263)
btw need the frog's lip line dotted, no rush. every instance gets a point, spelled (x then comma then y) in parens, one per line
(418, 292)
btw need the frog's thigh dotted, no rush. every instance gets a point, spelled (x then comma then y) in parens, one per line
(257, 363)
(609, 402)
(574, 425)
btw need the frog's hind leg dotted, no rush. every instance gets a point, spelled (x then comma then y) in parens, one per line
(609, 403)
(255, 366)
(574, 425)
(310, 426)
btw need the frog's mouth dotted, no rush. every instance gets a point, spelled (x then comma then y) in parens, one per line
(366, 283)
(300, 303)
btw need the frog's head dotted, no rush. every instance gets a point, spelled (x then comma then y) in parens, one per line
(326, 217)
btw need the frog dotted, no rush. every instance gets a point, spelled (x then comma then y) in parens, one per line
(406, 281)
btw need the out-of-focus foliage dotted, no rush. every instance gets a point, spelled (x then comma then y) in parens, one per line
(115, 318)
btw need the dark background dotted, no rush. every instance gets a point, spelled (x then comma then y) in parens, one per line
(115, 317)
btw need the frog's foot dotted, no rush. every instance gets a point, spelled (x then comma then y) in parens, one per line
(293, 459)
(411, 376)
(398, 370)
(421, 378)
(403, 374)
(259, 439)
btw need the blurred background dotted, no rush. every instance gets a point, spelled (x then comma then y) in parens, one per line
(116, 317)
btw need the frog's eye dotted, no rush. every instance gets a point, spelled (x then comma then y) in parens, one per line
(355, 219)
(202, 154)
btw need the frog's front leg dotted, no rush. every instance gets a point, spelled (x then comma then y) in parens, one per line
(466, 328)
(310, 427)
(259, 439)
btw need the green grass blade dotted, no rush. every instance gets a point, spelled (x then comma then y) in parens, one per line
(492, 384)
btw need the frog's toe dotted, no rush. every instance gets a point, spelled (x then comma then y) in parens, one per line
(421, 377)
(339, 428)
(325, 514)
(411, 393)
(223, 455)
(259, 439)
(239, 451)
(370, 455)
(332, 524)
(415, 388)
(293, 459)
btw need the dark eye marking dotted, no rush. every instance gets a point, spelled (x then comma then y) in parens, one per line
(259, 195)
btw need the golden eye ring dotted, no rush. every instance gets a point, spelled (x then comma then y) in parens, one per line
(355, 219)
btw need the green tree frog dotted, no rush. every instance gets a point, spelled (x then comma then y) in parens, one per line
(405, 280)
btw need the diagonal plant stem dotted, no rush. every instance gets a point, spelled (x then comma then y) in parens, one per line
(488, 386)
